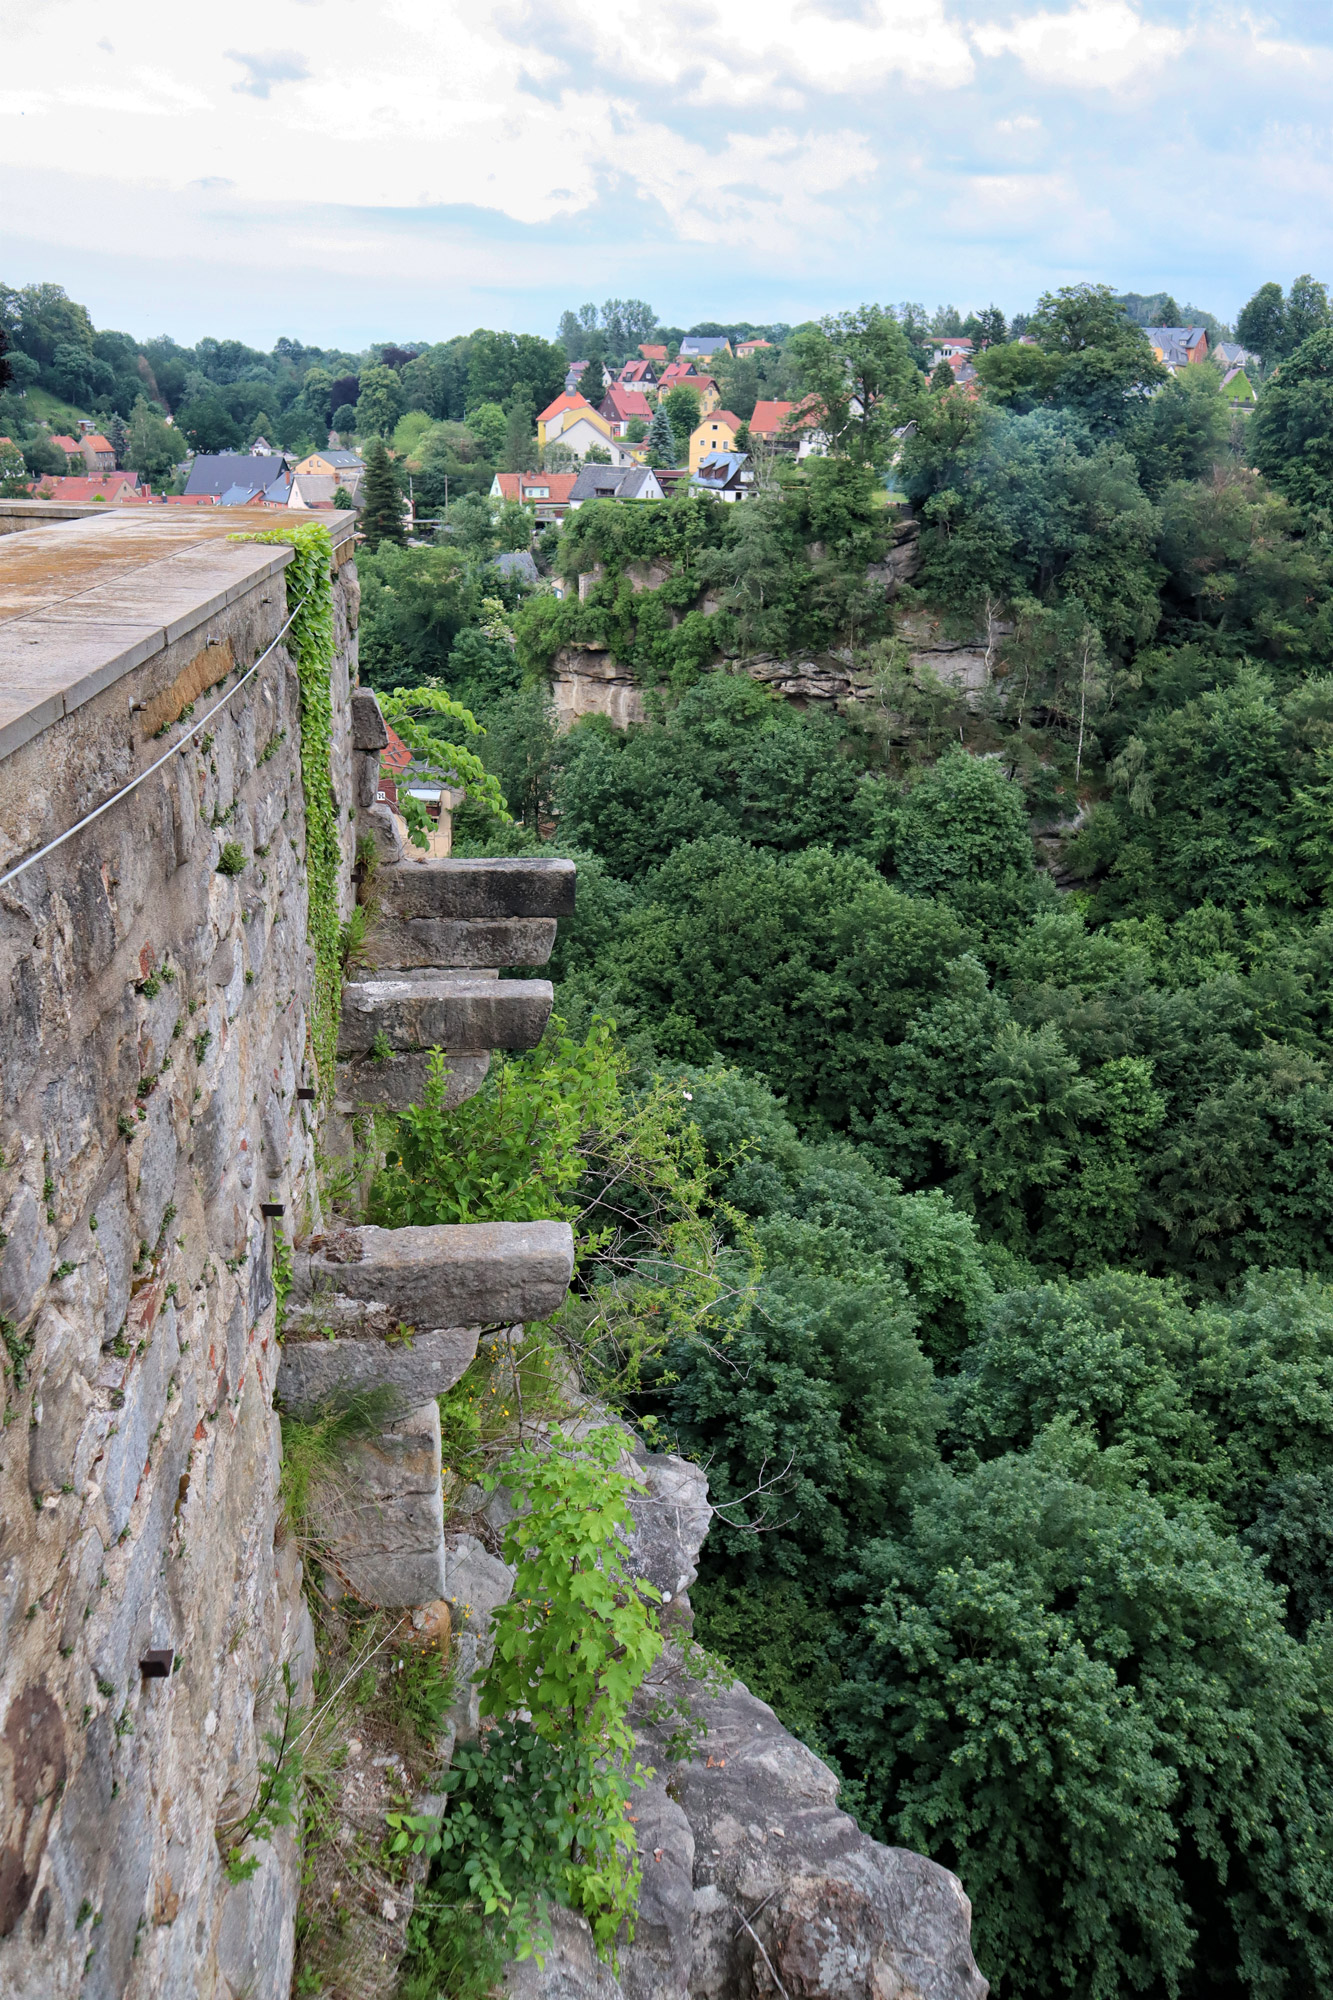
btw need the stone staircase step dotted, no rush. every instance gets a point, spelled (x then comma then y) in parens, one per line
(380, 1519)
(399, 1080)
(447, 1010)
(442, 1274)
(461, 943)
(527, 886)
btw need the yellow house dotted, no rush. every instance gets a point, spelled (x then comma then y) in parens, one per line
(563, 414)
(717, 432)
(710, 396)
(344, 465)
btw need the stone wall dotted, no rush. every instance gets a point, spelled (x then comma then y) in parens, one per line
(152, 1055)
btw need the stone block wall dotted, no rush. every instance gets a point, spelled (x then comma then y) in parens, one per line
(152, 1051)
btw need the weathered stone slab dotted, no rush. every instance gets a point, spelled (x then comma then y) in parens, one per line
(460, 942)
(381, 1520)
(368, 730)
(524, 886)
(401, 1079)
(447, 1274)
(447, 1010)
(315, 1371)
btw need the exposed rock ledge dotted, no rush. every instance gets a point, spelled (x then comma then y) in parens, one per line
(755, 1885)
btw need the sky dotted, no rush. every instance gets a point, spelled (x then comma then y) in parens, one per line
(346, 171)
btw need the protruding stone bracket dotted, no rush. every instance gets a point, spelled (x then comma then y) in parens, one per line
(522, 886)
(461, 943)
(447, 1010)
(336, 1347)
(445, 1274)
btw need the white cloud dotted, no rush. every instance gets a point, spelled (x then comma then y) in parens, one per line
(1102, 44)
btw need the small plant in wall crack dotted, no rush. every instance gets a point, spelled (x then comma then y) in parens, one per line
(274, 1801)
(232, 860)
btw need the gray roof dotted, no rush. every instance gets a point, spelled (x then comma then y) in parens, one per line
(220, 472)
(237, 496)
(612, 482)
(1175, 336)
(516, 562)
(703, 343)
(341, 459)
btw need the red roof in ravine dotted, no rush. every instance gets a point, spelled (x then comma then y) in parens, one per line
(651, 353)
(749, 346)
(561, 403)
(96, 442)
(676, 372)
(65, 444)
(396, 755)
(722, 417)
(74, 491)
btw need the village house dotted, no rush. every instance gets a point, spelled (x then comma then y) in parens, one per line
(640, 375)
(340, 464)
(726, 474)
(787, 427)
(752, 346)
(117, 489)
(709, 346)
(676, 372)
(547, 493)
(948, 345)
(651, 352)
(226, 473)
(572, 422)
(98, 454)
(1178, 346)
(716, 432)
(612, 482)
(72, 450)
(622, 406)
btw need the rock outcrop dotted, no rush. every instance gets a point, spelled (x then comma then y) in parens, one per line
(755, 1886)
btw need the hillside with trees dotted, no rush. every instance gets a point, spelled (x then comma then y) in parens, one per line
(1003, 1019)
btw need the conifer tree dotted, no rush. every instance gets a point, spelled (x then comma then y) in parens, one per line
(382, 510)
(661, 439)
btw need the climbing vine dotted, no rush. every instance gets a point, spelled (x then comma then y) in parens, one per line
(310, 643)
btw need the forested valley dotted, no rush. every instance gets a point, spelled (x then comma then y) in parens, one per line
(1000, 1024)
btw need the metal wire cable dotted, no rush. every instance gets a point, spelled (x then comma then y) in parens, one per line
(180, 744)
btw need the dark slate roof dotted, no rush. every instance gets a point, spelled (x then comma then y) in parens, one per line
(219, 472)
(611, 482)
(516, 562)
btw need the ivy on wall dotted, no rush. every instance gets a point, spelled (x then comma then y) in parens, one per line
(310, 643)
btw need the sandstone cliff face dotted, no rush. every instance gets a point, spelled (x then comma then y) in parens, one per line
(755, 1885)
(588, 679)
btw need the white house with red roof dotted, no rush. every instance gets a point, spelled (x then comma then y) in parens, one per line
(640, 375)
(547, 493)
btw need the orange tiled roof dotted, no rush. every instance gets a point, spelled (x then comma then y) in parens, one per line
(563, 402)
